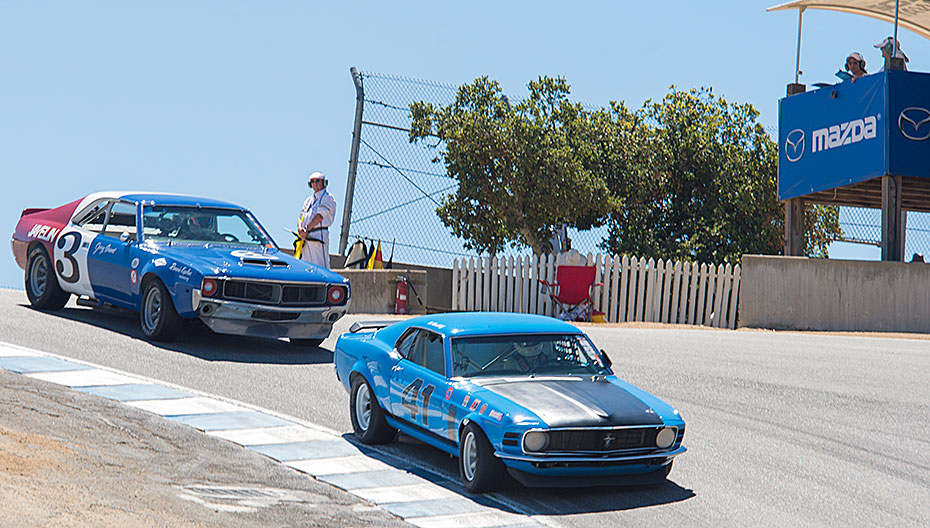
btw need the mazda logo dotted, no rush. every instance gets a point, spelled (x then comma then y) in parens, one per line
(914, 123)
(794, 145)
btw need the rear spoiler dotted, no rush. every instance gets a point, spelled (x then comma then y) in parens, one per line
(31, 210)
(358, 326)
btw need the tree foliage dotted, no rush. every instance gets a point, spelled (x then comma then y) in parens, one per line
(522, 171)
(691, 176)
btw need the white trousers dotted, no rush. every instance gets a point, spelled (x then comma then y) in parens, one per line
(315, 252)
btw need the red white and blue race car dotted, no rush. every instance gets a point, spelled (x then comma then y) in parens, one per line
(173, 257)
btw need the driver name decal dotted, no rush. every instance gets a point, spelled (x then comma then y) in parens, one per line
(184, 271)
(100, 249)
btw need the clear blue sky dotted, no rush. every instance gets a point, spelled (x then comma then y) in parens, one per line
(240, 100)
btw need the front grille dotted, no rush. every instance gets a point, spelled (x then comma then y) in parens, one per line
(261, 292)
(604, 440)
(511, 439)
(303, 295)
(271, 293)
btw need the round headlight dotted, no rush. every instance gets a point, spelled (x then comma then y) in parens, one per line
(665, 438)
(535, 441)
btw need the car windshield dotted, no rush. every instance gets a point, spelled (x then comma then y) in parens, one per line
(525, 355)
(201, 224)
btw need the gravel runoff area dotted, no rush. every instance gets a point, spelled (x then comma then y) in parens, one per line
(71, 459)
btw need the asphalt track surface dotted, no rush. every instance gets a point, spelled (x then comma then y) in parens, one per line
(784, 429)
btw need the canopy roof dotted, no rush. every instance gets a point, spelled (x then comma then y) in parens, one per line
(912, 14)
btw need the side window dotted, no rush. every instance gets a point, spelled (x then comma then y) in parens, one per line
(95, 216)
(122, 220)
(405, 343)
(433, 356)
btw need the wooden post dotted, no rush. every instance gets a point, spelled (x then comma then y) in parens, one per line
(892, 239)
(794, 227)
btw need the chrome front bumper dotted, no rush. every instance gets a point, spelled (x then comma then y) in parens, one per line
(591, 459)
(238, 318)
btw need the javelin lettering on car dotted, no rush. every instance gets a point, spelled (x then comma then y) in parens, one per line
(844, 133)
(43, 232)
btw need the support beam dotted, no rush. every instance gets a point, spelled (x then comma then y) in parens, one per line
(353, 159)
(892, 228)
(794, 227)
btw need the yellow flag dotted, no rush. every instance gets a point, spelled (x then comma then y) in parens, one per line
(376, 261)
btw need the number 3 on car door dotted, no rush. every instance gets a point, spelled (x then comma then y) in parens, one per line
(71, 260)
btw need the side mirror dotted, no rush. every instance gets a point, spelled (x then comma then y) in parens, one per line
(606, 359)
(124, 236)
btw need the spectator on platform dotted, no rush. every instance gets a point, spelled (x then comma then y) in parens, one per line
(886, 46)
(855, 65)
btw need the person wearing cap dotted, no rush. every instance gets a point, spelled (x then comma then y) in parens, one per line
(855, 65)
(316, 216)
(887, 46)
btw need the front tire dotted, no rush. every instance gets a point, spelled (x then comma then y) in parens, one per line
(368, 421)
(42, 286)
(158, 318)
(479, 469)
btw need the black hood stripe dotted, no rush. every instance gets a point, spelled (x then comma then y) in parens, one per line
(577, 403)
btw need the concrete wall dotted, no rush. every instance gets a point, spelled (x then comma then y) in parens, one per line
(438, 281)
(375, 291)
(820, 294)
(437, 285)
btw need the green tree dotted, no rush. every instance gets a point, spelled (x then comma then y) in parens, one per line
(522, 171)
(689, 177)
(701, 174)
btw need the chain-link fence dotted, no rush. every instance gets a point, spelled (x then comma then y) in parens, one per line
(398, 185)
(864, 226)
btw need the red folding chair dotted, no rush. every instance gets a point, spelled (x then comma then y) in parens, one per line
(571, 292)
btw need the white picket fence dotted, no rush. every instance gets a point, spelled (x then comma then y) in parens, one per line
(632, 289)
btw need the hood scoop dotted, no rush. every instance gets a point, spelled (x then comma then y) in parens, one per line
(265, 263)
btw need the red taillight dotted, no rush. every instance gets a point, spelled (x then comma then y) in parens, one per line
(336, 295)
(208, 288)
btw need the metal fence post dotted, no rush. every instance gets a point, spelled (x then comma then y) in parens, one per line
(353, 159)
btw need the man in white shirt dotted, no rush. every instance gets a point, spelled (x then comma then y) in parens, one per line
(316, 216)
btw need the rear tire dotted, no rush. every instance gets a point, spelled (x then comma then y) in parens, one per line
(42, 286)
(368, 421)
(157, 316)
(479, 469)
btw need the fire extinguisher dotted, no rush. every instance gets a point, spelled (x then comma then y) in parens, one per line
(400, 303)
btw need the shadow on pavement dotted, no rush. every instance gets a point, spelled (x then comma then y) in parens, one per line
(199, 341)
(409, 454)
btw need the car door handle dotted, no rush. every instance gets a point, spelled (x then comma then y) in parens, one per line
(397, 368)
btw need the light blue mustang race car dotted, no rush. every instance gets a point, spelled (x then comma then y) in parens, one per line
(525, 394)
(171, 258)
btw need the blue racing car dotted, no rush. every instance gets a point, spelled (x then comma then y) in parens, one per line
(525, 394)
(171, 258)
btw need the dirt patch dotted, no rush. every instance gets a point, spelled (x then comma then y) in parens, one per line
(71, 459)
